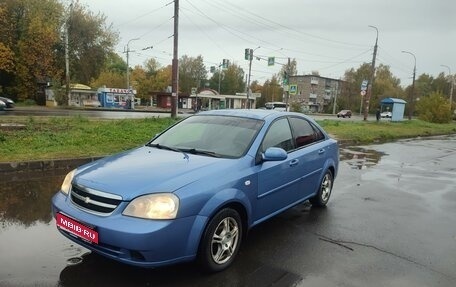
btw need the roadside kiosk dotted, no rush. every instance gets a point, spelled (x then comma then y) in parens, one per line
(396, 106)
(116, 98)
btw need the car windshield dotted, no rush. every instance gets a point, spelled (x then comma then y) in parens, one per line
(217, 136)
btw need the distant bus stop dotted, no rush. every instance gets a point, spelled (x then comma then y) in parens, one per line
(395, 106)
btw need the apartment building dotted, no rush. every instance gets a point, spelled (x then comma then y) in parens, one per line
(312, 92)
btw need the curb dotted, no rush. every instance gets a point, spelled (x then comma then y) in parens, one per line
(44, 165)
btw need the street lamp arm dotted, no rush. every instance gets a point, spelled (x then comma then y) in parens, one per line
(407, 52)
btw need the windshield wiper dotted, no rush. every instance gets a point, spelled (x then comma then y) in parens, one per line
(202, 152)
(159, 146)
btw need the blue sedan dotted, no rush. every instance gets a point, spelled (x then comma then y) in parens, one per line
(195, 189)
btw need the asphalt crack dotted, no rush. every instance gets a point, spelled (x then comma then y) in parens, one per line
(345, 243)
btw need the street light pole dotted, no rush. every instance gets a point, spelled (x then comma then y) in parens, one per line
(128, 72)
(128, 63)
(412, 97)
(371, 82)
(220, 76)
(452, 85)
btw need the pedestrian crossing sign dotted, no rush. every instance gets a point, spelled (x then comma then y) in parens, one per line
(293, 89)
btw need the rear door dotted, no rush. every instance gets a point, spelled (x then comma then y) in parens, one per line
(310, 151)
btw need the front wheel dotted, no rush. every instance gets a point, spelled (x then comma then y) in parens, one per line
(221, 240)
(324, 191)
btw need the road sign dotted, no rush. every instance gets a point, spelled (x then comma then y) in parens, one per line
(363, 93)
(364, 85)
(293, 89)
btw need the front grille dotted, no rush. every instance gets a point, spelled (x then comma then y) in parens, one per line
(94, 200)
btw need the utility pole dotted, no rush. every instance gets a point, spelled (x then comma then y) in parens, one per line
(288, 83)
(336, 92)
(249, 56)
(67, 56)
(412, 96)
(175, 67)
(451, 85)
(372, 76)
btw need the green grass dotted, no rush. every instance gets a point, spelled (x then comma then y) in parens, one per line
(51, 138)
(370, 132)
(62, 137)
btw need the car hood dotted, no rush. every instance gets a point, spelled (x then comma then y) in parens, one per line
(147, 170)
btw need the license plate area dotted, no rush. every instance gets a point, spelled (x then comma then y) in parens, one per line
(76, 228)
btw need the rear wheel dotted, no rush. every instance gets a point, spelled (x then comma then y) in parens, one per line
(324, 191)
(221, 240)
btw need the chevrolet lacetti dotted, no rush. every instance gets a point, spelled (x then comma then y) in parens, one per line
(195, 189)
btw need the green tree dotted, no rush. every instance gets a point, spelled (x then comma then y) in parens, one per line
(385, 86)
(232, 80)
(109, 79)
(29, 37)
(152, 66)
(290, 69)
(113, 74)
(191, 72)
(442, 83)
(162, 79)
(271, 91)
(350, 97)
(434, 108)
(6, 53)
(91, 43)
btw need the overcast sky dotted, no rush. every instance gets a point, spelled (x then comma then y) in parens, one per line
(328, 36)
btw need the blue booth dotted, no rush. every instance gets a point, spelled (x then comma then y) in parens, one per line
(396, 106)
(116, 98)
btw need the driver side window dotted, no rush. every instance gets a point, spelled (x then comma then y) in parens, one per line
(278, 135)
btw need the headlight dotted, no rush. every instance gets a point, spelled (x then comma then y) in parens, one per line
(66, 185)
(153, 206)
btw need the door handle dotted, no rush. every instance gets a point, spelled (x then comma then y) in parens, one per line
(294, 162)
(321, 151)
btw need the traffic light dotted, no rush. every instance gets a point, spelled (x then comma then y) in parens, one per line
(225, 64)
(285, 78)
(212, 69)
(247, 54)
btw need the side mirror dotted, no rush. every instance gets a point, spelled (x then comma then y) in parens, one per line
(274, 154)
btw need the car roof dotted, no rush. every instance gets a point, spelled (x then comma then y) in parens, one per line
(259, 114)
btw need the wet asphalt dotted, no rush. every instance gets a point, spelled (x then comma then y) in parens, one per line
(391, 221)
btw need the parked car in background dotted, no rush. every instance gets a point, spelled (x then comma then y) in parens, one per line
(195, 189)
(8, 102)
(344, 114)
(2, 105)
(277, 106)
(385, 114)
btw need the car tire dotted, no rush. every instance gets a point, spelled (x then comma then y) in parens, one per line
(324, 191)
(221, 240)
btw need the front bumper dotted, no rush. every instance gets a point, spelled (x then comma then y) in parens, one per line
(135, 241)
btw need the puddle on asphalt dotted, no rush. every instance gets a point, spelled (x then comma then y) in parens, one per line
(359, 157)
(29, 240)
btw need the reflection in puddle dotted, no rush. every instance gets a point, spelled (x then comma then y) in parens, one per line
(32, 251)
(25, 197)
(359, 157)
